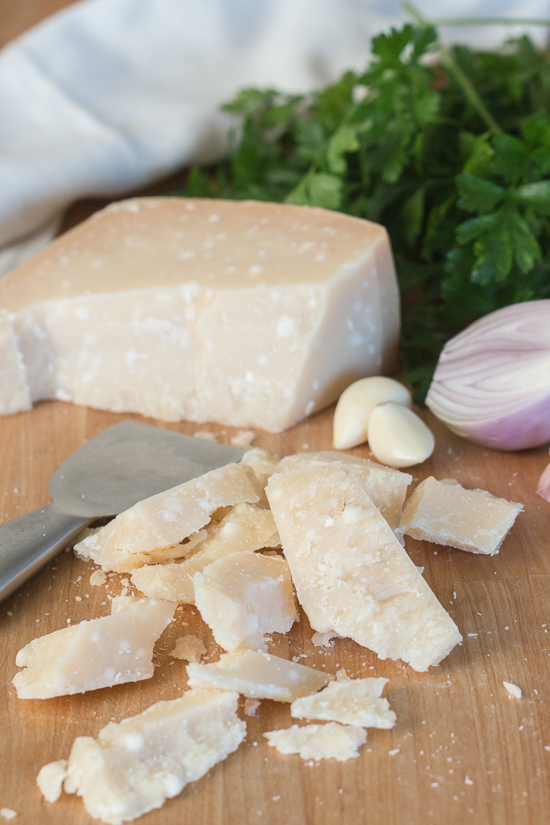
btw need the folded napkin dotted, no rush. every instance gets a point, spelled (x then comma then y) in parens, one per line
(108, 95)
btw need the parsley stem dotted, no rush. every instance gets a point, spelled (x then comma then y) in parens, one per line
(448, 60)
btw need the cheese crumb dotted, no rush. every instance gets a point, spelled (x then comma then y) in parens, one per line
(243, 439)
(189, 648)
(251, 706)
(324, 639)
(98, 578)
(513, 690)
(206, 435)
(50, 779)
(330, 741)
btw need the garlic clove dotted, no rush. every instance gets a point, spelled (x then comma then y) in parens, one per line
(355, 405)
(398, 437)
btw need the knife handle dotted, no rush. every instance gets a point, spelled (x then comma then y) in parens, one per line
(28, 542)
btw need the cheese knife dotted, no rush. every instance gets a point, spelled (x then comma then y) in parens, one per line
(122, 465)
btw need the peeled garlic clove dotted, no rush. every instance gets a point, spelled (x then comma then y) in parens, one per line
(398, 437)
(355, 405)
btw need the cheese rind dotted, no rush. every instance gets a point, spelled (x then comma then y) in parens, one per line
(152, 304)
(448, 514)
(350, 702)
(93, 654)
(135, 765)
(350, 572)
(330, 741)
(170, 520)
(245, 596)
(258, 675)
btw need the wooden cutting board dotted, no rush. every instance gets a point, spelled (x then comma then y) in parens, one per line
(463, 750)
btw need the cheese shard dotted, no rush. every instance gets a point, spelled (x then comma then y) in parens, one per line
(258, 675)
(135, 765)
(245, 596)
(50, 779)
(93, 654)
(350, 702)
(316, 742)
(250, 314)
(169, 521)
(445, 513)
(385, 486)
(245, 527)
(350, 572)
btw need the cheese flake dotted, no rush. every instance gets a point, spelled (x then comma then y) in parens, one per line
(245, 596)
(385, 486)
(350, 702)
(170, 521)
(446, 513)
(341, 553)
(135, 765)
(329, 741)
(258, 675)
(244, 527)
(93, 654)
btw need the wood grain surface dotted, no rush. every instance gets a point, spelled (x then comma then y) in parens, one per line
(463, 750)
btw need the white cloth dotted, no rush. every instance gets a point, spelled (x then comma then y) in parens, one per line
(107, 95)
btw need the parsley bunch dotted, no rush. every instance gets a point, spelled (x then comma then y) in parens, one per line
(449, 149)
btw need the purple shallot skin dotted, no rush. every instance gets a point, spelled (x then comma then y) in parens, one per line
(492, 381)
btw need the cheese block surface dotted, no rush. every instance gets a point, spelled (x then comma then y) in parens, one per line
(245, 313)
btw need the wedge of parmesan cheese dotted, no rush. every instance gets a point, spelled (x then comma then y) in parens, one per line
(350, 702)
(249, 314)
(93, 654)
(447, 514)
(172, 519)
(244, 527)
(316, 742)
(135, 765)
(258, 675)
(351, 573)
(385, 486)
(245, 596)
